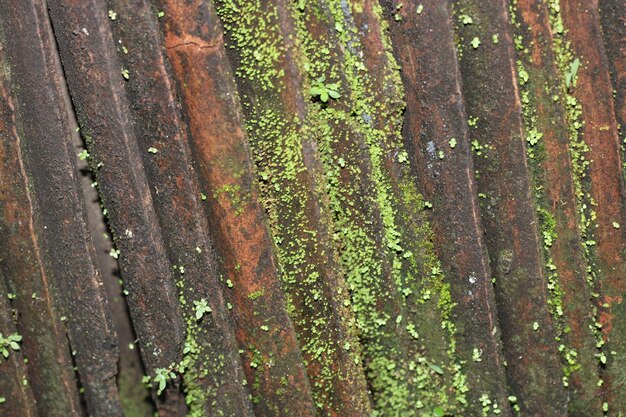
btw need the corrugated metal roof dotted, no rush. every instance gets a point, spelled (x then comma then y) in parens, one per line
(338, 208)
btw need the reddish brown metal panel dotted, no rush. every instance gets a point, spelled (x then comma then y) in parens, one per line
(594, 92)
(490, 89)
(435, 115)
(276, 244)
(220, 147)
(189, 49)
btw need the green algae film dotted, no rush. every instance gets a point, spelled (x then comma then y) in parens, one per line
(260, 38)
(546, 130)
(494, 109)
(422, 38)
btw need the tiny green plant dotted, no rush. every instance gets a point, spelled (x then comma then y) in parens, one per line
(465, 19)
(83, 155)
(161, 376)
(201, 307)
(9, 342)
(570, 76)
(436, 368)
(324, 91)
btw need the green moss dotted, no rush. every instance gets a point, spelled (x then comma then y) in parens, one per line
(578, 150)
(388, 261)
(234, 194)
(535, 148)
(276, 138)
(387, 271)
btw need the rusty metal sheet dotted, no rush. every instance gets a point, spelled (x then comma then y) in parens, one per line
(492, 98)
(603, 188)
(318, 208)
(212, 375)
(251, 280)
(435, 121)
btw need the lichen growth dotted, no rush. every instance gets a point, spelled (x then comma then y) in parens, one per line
(398, 297)
(536, 151)
(580, 164)
(289, 192)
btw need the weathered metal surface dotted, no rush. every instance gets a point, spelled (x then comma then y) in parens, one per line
(320, 208)
(283, 144)
(547, 141)
(16, 397)
(271, 354)
(603, 189)
(491, 94)
(417, 288)
(177, 199)
(95, 79)
(373, 251)
(435, 120)
(43, 206)
(613, 19)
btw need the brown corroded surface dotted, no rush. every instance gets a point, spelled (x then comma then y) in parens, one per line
(236, 216)
(45, 276)
(594, 92)
(556, 195)
(435, 115)
(337, 208)
(493, 106)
